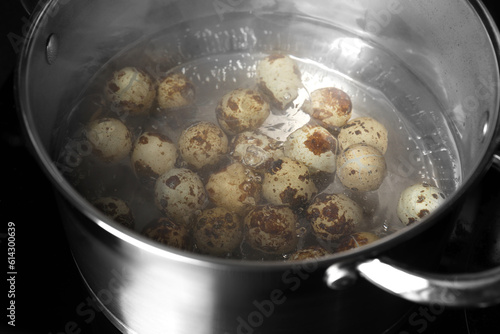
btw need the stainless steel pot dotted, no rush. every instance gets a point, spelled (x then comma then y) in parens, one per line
(143, 287)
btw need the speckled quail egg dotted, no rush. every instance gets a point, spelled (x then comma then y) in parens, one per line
(131, 90)
(364, 130)
(175, 91)
(288, 182)
(168, 232)
(179, 193)
(116, 209)
(203, 144)
(111, 140)
(241, 110)
(331, 107)
(361, 167)
(235, 188)
(314, 146)
(271, 229)
(217, 231)
(418, 201)
(308, 253)
(333, 216)
(255, 150)
(279, 78)
(153, 154)
(356, 240)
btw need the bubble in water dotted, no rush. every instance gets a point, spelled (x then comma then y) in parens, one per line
(301, 231)
(385, 227)
(276, 145)
(247, 186)
(254, 156)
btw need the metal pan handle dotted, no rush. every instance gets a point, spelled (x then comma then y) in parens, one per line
(479, 289)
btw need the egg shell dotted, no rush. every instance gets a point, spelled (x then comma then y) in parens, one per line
(175, 91)
(418, 201)
(271, 229)
(309, 253)
(130, 90)
(203, 144)
(314, 146)
(331, 107)
(241, 110)
(279, 79)
(255, 150)
(361, 168)
(217, 231)
(288, 182)
(364, 130)
(179, 193)
(234, 187)
(111, 140)
(116, 209)
(333, 216)
(356, 240)
(153, 154)
(168, 232)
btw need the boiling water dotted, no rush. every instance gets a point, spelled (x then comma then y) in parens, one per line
(224, 57)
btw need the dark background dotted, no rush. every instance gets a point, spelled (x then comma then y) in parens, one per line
(48, 286)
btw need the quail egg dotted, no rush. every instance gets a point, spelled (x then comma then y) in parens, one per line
(235, 188)
(111, 140)
(271, 229)
(288, 182)
(116, 209)
(278, 77)
(175, 91)
(311, 252)
(356, 240)
(131, 90)
(241, 110)
(364, 130)
(314, 146)
(361, 167)
(255, 150)
(179, 193)
(203, 144)
(217, 231)
(418, 201)
(153, 154)
(331, 107)
(168, 232)
(333, 216)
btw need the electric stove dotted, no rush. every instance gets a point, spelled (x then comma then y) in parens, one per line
(49, 296)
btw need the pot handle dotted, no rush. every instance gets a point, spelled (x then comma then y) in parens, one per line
(478, 289)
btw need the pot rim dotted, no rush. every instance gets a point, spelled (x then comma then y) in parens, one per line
(137, 240)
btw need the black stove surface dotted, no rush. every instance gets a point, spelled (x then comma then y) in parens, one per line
(48, 292)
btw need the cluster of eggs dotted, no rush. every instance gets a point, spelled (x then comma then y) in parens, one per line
(262, 195)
